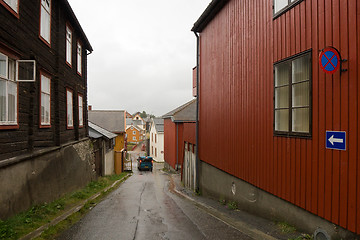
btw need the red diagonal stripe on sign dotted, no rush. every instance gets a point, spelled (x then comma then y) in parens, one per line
(329, 60)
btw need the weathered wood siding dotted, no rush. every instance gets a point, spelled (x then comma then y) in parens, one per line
(21, 35)
(238, 49)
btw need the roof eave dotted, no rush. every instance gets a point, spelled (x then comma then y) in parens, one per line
(210, 12)
(87, 43)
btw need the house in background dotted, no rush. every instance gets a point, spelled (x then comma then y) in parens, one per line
(135, 134)
(157, 139)
(103, 148)
(137, 116)
(267, 110)
(114, 122)
(44, 144)
(179, 131)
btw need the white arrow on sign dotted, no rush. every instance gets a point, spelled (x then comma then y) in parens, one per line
(333, 140)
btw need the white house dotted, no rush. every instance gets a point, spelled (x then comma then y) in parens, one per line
(157, 139)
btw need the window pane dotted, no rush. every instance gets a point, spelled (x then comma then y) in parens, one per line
(68, 44)
(2, 100)
(282, 120)
(45, 24)
(282, 97)
(47, 109)
(46, 4)
(280, 4)
(12, 70)
(69, 109)
(26, 70)
(79, 58)
(301, 69)
(42, 107)
(13, 4)
(300, 120)
(12, 106)
(282, 74)
(301, 94)
(45, 84)
(3, 64)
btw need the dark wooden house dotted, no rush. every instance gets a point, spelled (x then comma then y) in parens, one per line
(43, 95)
(260, 72)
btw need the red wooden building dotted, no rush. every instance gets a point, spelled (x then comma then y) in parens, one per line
(260, 75)
(179, 130)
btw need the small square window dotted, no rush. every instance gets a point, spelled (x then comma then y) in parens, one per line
(281, 6)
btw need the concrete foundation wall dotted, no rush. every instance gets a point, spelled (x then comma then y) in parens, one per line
(221, 185)
(109, 163)
(44, 177)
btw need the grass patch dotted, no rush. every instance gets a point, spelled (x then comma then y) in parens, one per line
(303, 237)
(26, 222)
(285, 227)
(232, 205)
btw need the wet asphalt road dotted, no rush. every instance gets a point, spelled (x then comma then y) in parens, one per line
(143, 207)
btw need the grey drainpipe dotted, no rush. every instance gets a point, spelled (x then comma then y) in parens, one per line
(197, 165)
(177, 147)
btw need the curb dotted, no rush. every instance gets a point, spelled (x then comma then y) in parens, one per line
(73, 210)
(241, 226)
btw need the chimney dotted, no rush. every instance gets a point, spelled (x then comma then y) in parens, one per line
(89, 107)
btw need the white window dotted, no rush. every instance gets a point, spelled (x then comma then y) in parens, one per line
(45, 20)
(79, 58)
(134, 138)
(45, 100)
(69, 108)
(13, 4)
(8, 91)
(292, 90)
(282, 4)
(81, 111)
(68, 44)
(134, 132)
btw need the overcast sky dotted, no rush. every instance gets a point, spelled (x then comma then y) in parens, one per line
(144, 52)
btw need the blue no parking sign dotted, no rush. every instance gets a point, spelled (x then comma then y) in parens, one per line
(329, 60)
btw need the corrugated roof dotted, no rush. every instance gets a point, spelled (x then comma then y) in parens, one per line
(184, 113)
(96, 131)
(113, 121)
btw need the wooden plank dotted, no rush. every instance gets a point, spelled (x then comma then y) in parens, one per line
(315, 99)
(358, 127)
(336, 118)
(352, 136)
(328, 115)
(344, 103)
(321, 111)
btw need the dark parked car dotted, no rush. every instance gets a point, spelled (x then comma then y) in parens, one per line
(145, 163)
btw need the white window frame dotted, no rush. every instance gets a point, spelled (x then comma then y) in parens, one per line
(69, 109)
(79, 58)
(46, 122)
(32, 77)
(134, 132)
(134, 138)
(10, 80)
(45, 21)
(81, 110)
(68, 39)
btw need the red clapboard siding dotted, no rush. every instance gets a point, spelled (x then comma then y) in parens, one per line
(170, 142)
(238, 49)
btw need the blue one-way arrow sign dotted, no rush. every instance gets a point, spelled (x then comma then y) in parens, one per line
(336, 140)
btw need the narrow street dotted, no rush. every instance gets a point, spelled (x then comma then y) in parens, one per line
(144, 207)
